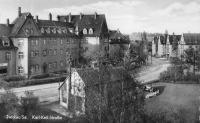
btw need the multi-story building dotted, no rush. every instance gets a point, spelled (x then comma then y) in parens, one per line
(7, 51)
(92, 29)
(42, 45)
(188, 40)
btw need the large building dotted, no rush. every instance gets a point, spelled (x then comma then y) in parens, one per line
(92, 29)
(41, 45)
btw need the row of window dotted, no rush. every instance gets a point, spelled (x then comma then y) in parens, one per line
(85, 31)
(54, 31)
(29, 31)
(36, 67)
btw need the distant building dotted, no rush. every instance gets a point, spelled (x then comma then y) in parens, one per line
(188, 40)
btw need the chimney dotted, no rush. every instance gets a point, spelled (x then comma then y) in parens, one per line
(36, 19)
(8, 22)
(118, 30)
(58, 17)
(166, 32)
(50, 16)
(95, 15)
(69, 17)
(80, 16)
(19, 11)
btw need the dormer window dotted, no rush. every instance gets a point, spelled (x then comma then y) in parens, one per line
(6, 43)
(59, 31)
(71, 30)
(84, 31)
(48, 30)
(91, 31)
(119, 39)
(42, 30)
(54, 31)
(64, 31)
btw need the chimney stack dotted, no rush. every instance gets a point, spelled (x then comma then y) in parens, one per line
(95, 15)
(19, 11)
(69, 17)
(36, 18)
(58, 17)
(80, 16)
(8, 22)
(50, 16)
(166, 32)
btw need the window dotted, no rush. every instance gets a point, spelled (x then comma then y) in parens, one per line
(36, 42)
(84, 31)
(55, 41)
(55, 64)
(50, 42)
(32, 31)
(54, 31)
(48, 30)
(68, 51)
(44, 52)
(44, 41)
(55, 52)
(50, 52)
(20, 70)
(6, 43)
(81, 49)
(37, 67)
(91, 31)
(21, 43)
(50, 65)
(32, 68)
(61, 41)
(32, 53)
(61, 51)
(27, 30)
(8, 55)
(68, 41)
(86, 40)
(32, 42)
(82, 40)
(36, 53)
(61, 63)
(75, 50)
(21, 54)
(105, 40)
(42, 30)
(72, 40)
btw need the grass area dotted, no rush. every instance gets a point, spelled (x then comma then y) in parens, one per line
(173, 98)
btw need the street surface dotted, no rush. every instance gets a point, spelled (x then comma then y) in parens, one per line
(48, 93)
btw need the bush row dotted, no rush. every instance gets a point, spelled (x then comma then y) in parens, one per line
(35, 81)
(14, 78)
(187, 78)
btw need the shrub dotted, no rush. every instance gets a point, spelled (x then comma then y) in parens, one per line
(29, 104)
(14, 78)
(35, 81)
(40, 76)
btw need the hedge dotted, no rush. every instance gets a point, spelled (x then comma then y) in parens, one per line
(35, 81)
(14, 78)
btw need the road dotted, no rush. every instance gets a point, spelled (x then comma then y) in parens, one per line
(49, 92)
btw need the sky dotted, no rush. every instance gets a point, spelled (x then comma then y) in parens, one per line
(178, 16)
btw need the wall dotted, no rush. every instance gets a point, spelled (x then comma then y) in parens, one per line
(22, 62)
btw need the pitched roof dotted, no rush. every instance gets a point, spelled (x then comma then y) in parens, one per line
(87, 21)
(174, 37)
(18, 22)
(91, 76)
(117, 38)
(4, 30)
(191, 38)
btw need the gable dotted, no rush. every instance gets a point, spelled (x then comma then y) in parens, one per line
(30, 25)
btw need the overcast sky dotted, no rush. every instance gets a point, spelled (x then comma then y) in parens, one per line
(129, 16)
